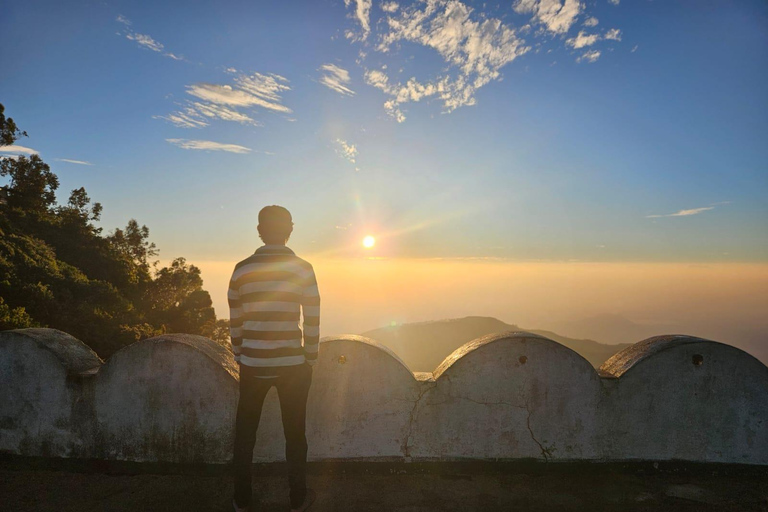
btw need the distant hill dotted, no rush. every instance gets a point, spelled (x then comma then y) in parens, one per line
(610, 328)
(424, 345)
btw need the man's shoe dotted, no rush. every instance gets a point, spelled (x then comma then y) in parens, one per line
(240, 509)
(309, 499)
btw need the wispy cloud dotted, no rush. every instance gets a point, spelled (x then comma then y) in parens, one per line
(687, 213)
(556, 16)
(145, 40)
(18, 150)
(346, 150)
(363, 15)
(614, 34)
(589, 56)
(336, 78)
(226, 102)
(614, 2)
(69, 161)
(475, 48)
(591, 22)
(581, 40)
(208, 145)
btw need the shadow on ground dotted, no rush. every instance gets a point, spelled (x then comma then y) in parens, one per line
(387, 488)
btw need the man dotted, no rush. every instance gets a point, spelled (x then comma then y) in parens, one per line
(267, 293)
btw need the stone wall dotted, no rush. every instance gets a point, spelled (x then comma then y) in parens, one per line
(508, 396)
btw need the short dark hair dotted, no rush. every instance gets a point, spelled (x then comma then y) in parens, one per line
(275, 222)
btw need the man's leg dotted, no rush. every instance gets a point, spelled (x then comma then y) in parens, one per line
(252, 394)
(293, 389)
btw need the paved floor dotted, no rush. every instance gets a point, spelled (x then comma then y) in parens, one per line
(25, 489)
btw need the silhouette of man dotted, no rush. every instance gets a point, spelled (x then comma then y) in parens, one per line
(267, 293)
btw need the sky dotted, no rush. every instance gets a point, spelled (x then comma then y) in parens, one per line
(554, 132)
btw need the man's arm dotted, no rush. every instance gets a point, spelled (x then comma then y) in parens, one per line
(310, 307)
(235, 319)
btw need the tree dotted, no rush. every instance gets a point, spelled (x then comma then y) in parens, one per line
(9, 132)
(58, 270)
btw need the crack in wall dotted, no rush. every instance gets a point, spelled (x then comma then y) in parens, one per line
(406, 446)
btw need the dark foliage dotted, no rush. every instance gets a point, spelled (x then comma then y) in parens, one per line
(58, 270)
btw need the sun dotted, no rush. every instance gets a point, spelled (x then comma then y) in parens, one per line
(369, 242)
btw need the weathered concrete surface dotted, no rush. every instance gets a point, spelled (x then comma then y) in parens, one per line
(680, 397)
(42, 401)
(171, 398)
(510, 396)
(504, 396)
(359, 404)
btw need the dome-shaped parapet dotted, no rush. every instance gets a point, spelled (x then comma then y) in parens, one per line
(359, 405)
(171, 398)
(74, 356)
(510, 395)
(622, 361)
(44, 411)
(681, 397)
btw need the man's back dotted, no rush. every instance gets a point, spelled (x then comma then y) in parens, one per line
(267, 294)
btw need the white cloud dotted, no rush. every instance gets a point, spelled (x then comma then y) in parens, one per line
(19, 150)
(590, 56)
(389, 7)
(591, 22)
(362, 14)
(346, 150)
(582, 40)
(145, 41)
(208, 145)
(225, 101)
(78, 162)
(555, 15)
(614, 2)
(634, 49)
(684, 213)
(614, 34)
(336, 78)
(474, 50)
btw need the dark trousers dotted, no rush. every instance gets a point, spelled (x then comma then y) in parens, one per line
(292, 390)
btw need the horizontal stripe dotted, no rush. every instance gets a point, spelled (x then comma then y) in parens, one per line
(268, 275)
(272, 353)
(311, 331)
(311, 291)
(270, 297)
(270, 326)
(272, 362)
(273, 264)
(271, 335)
(270, 286)
(250, 307)
(271, 316)
(272, 343)
(311, 349)
(235, 313)
(310, 301)
(311, 310)
(310, 356)
(236, 332)
(236, 349)
(311, 321)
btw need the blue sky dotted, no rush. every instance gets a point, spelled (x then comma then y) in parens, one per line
(526, 130)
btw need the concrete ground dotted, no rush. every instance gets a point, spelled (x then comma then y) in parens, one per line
(411, 488)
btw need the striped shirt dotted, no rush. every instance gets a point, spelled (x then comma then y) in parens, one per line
(267, 294)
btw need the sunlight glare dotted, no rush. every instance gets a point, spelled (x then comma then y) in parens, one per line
(369, 242)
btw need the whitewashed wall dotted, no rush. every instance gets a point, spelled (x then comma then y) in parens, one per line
(508, 396)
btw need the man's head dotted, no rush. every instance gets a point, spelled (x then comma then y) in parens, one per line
(275, 225)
